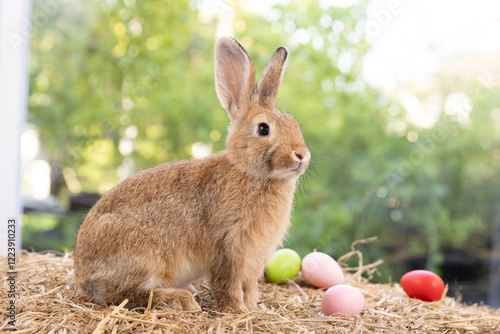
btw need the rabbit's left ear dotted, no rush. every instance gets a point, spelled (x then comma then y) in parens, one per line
(272, 77)
(234, 78)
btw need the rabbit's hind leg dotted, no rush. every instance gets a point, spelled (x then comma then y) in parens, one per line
(105, 292)
(169, 298)
(175, 299)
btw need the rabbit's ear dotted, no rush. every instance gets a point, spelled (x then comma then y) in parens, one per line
(271, 78)
(234, 77)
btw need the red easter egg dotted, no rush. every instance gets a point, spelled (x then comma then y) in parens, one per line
(423, 284)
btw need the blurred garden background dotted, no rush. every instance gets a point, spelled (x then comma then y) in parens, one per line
(398, 101)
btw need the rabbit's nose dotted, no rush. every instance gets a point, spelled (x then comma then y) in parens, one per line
(299, 156)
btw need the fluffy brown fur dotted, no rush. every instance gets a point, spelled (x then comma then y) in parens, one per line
(217, 217)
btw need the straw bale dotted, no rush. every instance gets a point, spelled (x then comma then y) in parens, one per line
(47, 302)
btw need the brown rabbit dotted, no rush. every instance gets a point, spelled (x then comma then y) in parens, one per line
(217, 217)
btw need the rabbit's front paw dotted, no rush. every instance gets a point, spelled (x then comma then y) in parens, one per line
(251, 294)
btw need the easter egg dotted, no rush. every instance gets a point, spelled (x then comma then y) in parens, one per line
(423, 284)
(283, 265)
(342, 299)
(321, 270)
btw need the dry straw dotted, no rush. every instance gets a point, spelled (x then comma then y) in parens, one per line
(47, 303)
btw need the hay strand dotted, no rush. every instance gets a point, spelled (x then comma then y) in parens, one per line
(150, 300)
(100, 326)
(144, 321)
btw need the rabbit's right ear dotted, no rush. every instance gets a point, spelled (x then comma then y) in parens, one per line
(234, 77)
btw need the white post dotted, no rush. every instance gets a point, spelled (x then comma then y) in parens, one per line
(14, 47)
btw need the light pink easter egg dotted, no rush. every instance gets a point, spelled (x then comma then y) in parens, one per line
(341, 300)
(321, 270)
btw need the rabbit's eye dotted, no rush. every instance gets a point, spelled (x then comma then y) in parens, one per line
(263, 129)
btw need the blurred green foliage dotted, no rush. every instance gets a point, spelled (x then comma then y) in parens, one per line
(47, 232)
(119, 86)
